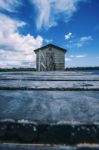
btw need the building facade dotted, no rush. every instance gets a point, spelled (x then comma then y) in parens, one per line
(50, 58)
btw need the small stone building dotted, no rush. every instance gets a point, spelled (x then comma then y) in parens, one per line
(50, 58)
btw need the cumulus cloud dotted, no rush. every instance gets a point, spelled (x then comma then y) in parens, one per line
(83, 40)
(16, 49)
(49, 12)
(68, 36)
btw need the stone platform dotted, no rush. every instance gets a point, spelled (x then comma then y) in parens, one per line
(45, 105)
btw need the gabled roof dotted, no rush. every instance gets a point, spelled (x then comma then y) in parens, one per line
(50, 45)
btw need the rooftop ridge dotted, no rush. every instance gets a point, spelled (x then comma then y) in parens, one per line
(50, 45)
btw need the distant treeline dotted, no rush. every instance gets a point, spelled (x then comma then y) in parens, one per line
(81, 68)
(17, 69)
(34, 69)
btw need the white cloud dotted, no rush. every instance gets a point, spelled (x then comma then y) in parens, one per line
(9, 5)
(16, 49)
(78, 56)
(48, 40)
(67, 59)
(50, 11)
(71, 60)
(83, 40)
(68, 36)
(44, 9)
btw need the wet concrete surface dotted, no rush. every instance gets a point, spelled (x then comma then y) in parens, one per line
(49, 105)
(31, 147)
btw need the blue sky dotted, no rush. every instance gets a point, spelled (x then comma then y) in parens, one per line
(29, 24)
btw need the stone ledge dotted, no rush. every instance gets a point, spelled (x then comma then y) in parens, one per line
(69, 134)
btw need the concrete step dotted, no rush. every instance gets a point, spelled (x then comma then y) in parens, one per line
(50, 106)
